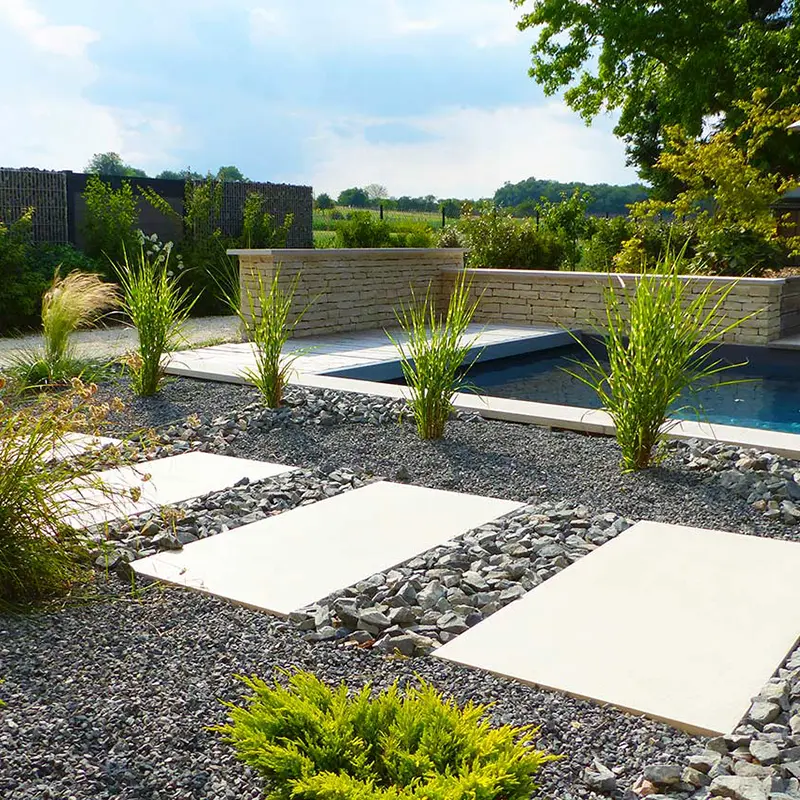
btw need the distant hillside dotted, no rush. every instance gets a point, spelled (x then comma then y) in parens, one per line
(608, 199)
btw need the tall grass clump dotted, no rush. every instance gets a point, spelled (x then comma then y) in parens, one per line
(158, 308)
(661, 343)
(269, 325)
(40, 555)
(311, 742)
(75, 301)
(433, 355)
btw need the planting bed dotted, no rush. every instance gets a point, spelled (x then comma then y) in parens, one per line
(110, 699)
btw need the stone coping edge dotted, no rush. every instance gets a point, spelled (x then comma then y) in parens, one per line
(323, 252)
(567, 275)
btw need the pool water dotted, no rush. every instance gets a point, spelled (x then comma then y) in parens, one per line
(769, 399)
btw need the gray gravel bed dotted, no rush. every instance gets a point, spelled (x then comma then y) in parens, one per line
(111, 701)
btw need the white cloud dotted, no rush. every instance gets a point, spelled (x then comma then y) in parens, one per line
(481, 23)
(473, 152)
(46, 120)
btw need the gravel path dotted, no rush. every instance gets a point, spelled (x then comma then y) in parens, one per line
(112, 342)
(111, 699)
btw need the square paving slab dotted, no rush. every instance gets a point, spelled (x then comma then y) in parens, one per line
(287, 561)
(171, 480)
(682, 624)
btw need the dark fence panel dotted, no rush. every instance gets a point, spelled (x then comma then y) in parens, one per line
(60, 209)
(45, 192)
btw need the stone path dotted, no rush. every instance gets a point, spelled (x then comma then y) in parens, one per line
(682, 624)
(108, 343)
(287, 561)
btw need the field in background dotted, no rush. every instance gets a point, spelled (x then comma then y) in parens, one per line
(326, 220)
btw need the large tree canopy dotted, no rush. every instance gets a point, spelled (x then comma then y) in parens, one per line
(673, 62)
(112, 164)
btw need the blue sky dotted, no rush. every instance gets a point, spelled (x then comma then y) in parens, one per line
(425, 97)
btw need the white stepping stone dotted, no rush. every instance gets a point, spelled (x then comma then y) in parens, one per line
(75, 444)
(171, 480)
(681, 624)
(284, 562)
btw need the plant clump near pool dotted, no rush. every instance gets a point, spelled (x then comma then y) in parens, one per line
(310, 741)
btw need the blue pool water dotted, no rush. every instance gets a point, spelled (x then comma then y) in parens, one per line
(769, 399)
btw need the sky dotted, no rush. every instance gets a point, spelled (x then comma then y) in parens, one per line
(421, 96)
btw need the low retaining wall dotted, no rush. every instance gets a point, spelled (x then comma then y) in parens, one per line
(352, 290)
(349, 290)
(575, 299)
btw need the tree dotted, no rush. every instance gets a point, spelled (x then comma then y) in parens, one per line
(376, 192)
(662, 64)
(231, 174)
(727, 193)
(112, 164)
(355, 197)
(325, 202)
(183, 175)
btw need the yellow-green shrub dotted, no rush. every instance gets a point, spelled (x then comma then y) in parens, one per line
(311, 742)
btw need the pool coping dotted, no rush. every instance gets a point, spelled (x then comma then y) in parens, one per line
(548, 415)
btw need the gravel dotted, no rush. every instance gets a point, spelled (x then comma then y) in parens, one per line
(110, 700)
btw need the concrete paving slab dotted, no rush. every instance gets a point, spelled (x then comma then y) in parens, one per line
(682, 624)
(75, 444)
(162, 482)
(367, 354)
(288, 561)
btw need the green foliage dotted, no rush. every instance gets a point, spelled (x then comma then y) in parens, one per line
(325, 202)
(268, 327)
(495, 239)
(21, 289)
(661, 343)
(606, 240)
(451, 236)
(40, 556)
(259, 229)
(523, 197)
(231, 173)
(363, 229)
(664, 64)
(432, 354)
(112, 220)
(158, 309)
(311, 742)
(726, 194)
(112, 164)
(355, 197)
(567, 219)
(731, 250)
(418, 235)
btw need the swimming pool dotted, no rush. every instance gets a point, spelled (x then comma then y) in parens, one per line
(770, 399)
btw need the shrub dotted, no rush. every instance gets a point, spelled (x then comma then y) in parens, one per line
(432, 358)
(310, 742)
(259, 228)
(111, 222)
(605, 242)
(21, 288)
(40, 556)
(495, 239)
(733, 250)
(567, 219)
(451, 236)
(418, 235)
(660, 342)
(268, 328)
(76, 301)
(158, 309)
(363, 229)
